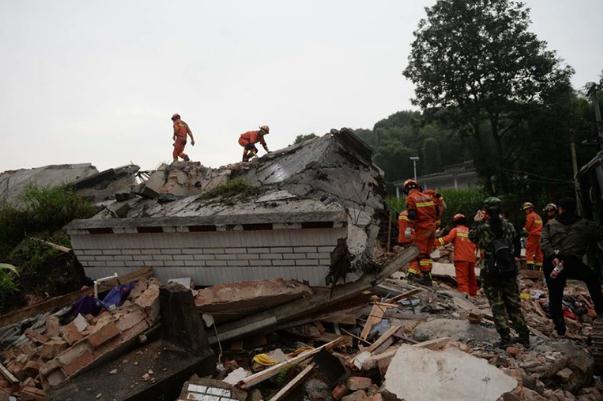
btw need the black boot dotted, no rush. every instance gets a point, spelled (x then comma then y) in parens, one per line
(505, 341)
(425, 280)
(560, 326)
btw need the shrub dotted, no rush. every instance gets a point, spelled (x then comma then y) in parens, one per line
(41, 212)
(9, 287)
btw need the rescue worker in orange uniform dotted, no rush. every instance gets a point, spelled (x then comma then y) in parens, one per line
(181, 131)
(248, 140)
(440, 204)
(423, 213)
(533, 228)
(464, 254)
(406, 229)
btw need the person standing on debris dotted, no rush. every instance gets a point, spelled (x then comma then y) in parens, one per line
(492, 233)
(533, 228)
(550, 211)
(423, 213)
(440, 204)
(248, 140)
(565, 242)
(464, 255)
(181, 131)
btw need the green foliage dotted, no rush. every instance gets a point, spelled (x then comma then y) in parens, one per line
(9, 286)
(237, 187)
(41, 212)
(466, 201)
(303, 138)
(478, 69)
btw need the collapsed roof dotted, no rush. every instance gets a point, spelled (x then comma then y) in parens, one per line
(323, 180)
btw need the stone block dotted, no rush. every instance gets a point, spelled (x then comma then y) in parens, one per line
(130, 320)
(306, 262)
(226, 257)
(111, 252)
(271, 256)
(359, 395)
(340, 391)
(52, 348)
(281, 250)
(183, 257)
(236, 250)
(294, 256)
(304, 249)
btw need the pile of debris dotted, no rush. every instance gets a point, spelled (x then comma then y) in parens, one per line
(46, 350)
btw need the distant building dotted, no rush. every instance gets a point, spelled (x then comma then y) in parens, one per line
(460, 175)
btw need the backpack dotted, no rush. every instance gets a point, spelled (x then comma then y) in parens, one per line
(501, 263)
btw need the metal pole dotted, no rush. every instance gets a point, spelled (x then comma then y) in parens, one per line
(414, 166)
(595, 100)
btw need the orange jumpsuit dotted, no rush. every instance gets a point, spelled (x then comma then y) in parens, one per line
(181, 130)
(464, 258)
(533, 227)
(404, 223)
(440, 204)
(423, 213)
(248, 140)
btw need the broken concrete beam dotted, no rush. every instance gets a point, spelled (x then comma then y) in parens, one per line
(230, 301)
(181, 323)
(302, 307)
(210, 390)
(451, 375)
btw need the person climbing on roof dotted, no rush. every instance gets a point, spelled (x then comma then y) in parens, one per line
(181, 131)
(248, 140)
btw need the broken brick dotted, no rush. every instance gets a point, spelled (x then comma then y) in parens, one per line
(32, 393)
(32, 368)
(358, 383)
(340, 391)
(149, 301)
(70, 333)
(35, 336)
(80, 323)
(78, 363)
(52, 327)
(130, 320)
(102, 335)
(52, 348)
(359, 395)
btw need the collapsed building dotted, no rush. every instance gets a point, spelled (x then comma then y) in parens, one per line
(311, 212)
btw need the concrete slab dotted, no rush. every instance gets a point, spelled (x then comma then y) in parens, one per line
(448, 375)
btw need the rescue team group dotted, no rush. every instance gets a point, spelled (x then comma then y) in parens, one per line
(247, 140)
(558, 248)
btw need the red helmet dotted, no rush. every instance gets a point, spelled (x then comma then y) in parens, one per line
(176, 116)
(458, 217)
(409, 184)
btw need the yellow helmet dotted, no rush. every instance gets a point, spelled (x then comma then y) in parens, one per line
(527, 205)
(265, 128)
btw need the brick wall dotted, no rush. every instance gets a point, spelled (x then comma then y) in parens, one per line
(212, 257)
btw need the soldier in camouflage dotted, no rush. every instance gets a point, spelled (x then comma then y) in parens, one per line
(502, 293)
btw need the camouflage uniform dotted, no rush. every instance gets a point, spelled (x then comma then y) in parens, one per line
(502, 293)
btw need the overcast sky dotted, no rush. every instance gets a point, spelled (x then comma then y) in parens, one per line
(97, 81)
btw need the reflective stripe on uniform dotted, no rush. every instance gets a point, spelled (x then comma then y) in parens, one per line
(442, 242)
(425, 204)
(462, 234)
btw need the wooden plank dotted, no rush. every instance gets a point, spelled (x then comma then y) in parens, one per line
(375, 317)
(57, 247)
(405, 295)
(8, 375)
(372, 361)
(344, 318)
(64, 300)
(301, 376)
(390, 332)
(272, 371)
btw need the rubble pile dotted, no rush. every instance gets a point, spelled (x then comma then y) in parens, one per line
(417, 343)
(46, 351)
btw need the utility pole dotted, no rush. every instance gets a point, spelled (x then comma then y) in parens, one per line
(592, 92)
(414, 159)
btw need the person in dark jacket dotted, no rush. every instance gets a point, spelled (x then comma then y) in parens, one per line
(565, 241)
(502, 292)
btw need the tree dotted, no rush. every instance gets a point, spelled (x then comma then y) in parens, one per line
(431, 155)
(474, 61)
(303, 138)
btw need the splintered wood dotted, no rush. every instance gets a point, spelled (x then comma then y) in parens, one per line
(375, 317)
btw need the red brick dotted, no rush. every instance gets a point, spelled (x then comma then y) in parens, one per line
(103, 334)
(49, 366)
(32, 368)
(130, 320)
(78, 363)
(70, 333)
(52, 327)
(55, 377)
(32, 393)
(52, 348)
(149, 301)
(340, 391)
(359, 395)
(35, 336)
(358, 383)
